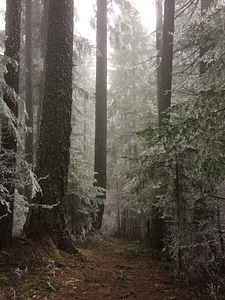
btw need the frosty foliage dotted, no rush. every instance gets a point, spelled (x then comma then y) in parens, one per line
(22, 172)
(183, 171)
(83, 198)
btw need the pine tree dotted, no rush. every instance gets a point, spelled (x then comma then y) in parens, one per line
(46, 217)
(8, 138)
(101, 104)
(164, 102)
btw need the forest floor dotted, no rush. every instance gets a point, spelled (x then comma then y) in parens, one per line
(107, 269)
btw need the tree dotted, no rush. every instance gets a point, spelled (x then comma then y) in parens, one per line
(132, 106)
(8, 137)
(82, 195)
(164, 102)
(101, 104)
(28, 82)
(205, 5)
(183, 169)
(46, 217)
(165, 80)
(159, 25)
(191, 167)
(41, 45)
(201, 204)
(28, 89)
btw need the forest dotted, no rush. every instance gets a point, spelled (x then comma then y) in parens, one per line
(112, 150)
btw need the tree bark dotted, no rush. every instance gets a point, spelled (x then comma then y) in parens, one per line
(43, 34)
(164, 82)
(46, 218)
(28, 90)
(159, 26)
(166, 65)
(101, 105)
(8, 139)
(28, 82)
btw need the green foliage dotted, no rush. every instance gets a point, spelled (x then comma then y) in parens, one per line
(5, 113)
(82, 196)
(131, 102)
(194, 138)
(24, 175)
(132, 105)
(134, 250)
(183, 168)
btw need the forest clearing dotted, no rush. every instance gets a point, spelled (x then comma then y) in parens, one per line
(106, 269)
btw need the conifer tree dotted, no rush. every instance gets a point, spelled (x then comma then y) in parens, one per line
(164, 102)
(8, 138)
(46, 217)
(101, 104)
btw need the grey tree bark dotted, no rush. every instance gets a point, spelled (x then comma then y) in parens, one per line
(101, 105)
(46, 218)
(166, 66)
(164, 78)
(28, 82)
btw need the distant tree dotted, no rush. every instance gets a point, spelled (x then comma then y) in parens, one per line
(159, 26)
(28, 83)
(46, 217)
(28, 89)
(41, 34)
(165, 80)
(8, 138)
(101, 104)
(205, 5)
(132, 106)
(82, 194)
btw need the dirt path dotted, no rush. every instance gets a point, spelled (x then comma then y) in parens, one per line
(110, 269)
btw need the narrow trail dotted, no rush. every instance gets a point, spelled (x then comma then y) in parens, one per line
(109, 269)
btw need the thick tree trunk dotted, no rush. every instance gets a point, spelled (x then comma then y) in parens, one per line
(101, 104)
(46, 219)
(8, 139)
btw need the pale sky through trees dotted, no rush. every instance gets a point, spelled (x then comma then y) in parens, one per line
(86, 7)
(147, 12)
(85, 11)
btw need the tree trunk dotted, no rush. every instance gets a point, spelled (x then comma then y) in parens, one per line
(46, 218)
(166, 66)
(101, 104)
(28, 90)
(164, 78)
(28, 82)
(159, 25)
(43, 37)
(8, 139)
